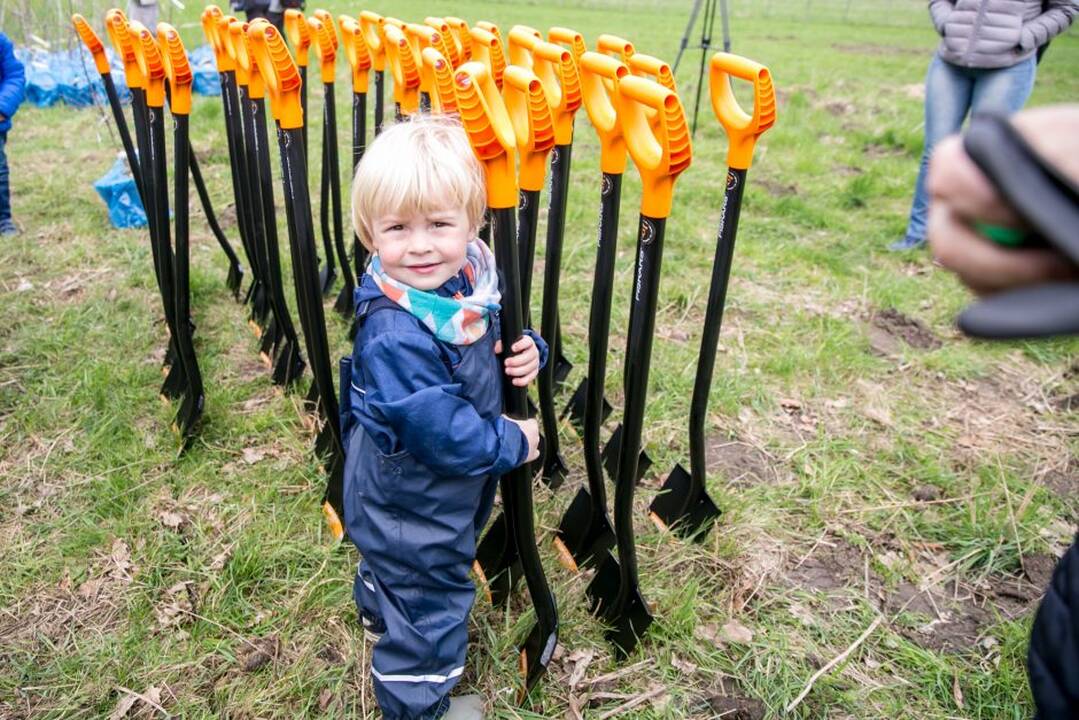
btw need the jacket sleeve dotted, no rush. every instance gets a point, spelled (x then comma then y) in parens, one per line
(1057, 17)
(411, 389)
(1053, 654)
(13, 87)
(541, 346)
(939, 10)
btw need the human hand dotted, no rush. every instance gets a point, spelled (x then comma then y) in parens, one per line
(530, 428)
(962, 196)
(523, 365)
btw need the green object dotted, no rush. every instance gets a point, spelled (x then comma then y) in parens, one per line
(1010, 237)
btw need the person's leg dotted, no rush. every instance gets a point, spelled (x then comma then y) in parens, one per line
(7, 225)
(1004, 90)
(948, 92)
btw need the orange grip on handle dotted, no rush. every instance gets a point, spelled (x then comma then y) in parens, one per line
(742, 128)
(451, 49)
(325, 43)
(463, 37)
(487, 49)
(646, 65)
(369, 23)
(177, 68)
(568, 38)
(241, 41)
(151, 65)
(484, 116)
(120, 34)
(444, 97)
(421, 37)
(406, 76)
(661, 151)
(326, 19)
(521, 41)
(489, 27)
(299, 35)
(359, 57)
(600, 75)
(92, 43)
(530, 114)
(557, 70)
(282, 75)
(210, 18)
(614, 45)
(225, 34)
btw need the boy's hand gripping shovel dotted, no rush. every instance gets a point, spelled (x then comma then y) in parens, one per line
(661, 154)
(359, 59)
(683, 502)
(491, 133)
(369, 25)
(178, 71)
(283, 83)
(585, 536)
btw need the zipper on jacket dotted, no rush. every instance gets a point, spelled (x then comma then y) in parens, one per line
(973, 41)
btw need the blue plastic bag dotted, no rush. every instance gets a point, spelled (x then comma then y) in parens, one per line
(207, 81)
(117, 189)
(41, 87)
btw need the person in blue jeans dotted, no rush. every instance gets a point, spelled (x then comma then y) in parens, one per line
(425, 438)
(12, 92)
(986, 61)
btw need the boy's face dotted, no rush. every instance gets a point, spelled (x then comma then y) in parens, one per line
(424, 249)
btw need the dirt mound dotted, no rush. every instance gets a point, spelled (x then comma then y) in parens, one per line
(889, 326)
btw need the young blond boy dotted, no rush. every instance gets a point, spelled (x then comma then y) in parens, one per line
(425, 437)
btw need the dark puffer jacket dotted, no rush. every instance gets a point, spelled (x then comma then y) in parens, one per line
(1053, 658)
(997, 33)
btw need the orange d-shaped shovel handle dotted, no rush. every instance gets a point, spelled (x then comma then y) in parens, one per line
(369, 23)
(648, 66)
(568, 38)
(356, 50)
(461, 34)
(449, 40)
(489, 27)
(210, 18)
(406, 76)
(742, 128)
(613, 45)
(299, 34)
(487, 48)
(557, 70)
(279, 69)
(600, 75)
(326, 45)
(660, 150)
(326, 19)
(533, 126)
(92, 42)
(224, 31)
(421, 37)
(521, 41)
(444, 98)
(177, 68)
(152, 67)
(120, 34)
(484, 116)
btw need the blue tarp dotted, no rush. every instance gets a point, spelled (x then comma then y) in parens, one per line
(204, 68)
(117, 189)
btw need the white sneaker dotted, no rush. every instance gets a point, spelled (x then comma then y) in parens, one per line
(465, 707)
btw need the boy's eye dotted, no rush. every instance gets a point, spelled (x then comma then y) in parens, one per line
(440, 223)
(394, 228)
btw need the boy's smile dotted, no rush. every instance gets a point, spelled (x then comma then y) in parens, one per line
(422, 249)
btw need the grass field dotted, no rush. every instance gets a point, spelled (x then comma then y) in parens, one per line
(877, 471)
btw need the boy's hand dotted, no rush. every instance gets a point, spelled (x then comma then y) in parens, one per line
(530, 428)
(523, 365)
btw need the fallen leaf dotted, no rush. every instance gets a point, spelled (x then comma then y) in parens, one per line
(709, 633)
(683, 666)
(178, 607)
(171, 520)
(580, 660)
(957, 693)
(127, 701)
(325, 699)
(220, 560)
(253, 455)
(803, 614)
(736, 632)
(259, 652)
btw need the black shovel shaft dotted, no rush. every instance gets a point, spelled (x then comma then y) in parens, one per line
(599, 326)
(518, 504)
(642, 322)
(250, 182)
(303, 108)
(208, 210)
(527, 222)
(359, 144)
(713, 321)
(125, 135)
(181, 266)
(335, 185)
(324, 189)
(380, 81)
(237, 158)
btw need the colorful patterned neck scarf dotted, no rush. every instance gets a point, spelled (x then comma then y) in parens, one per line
(459, 320)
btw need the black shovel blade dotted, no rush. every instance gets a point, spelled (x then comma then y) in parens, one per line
(551, 468)
(674, 507)
(289, 366)
(497, 562)
(187, 419)
(344, 303)
(311, 400)
(326, 278)
(268, 342)
(602, 592)
(575, 407)
(585, 537)
(536, 652)
(610, 457)
(235, 280)
(175, 383)
(562, 368)
(324, 441)
(628, 619)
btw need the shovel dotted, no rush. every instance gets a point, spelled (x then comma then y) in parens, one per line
(282, 352)
(359, 59)
(419, 38)
(462, 37)
(283, 84)
(490, 130)
(683, 503)
(406, 75)
(452, 44)
(487, 49)
(328, 271)
(444, 100)
(326, 36)
(299, 36)
(369, 24)
(178, 71)
(585, 536)
(660, 153)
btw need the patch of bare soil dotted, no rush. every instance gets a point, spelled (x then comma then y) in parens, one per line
(889, 326)
(847, 170)
(1066, 403)
(828, 567)
(776, 188)
(226, 216)
(877, 151)
(733, 707)
(1063, 481)
(875, 50)
(742, 464)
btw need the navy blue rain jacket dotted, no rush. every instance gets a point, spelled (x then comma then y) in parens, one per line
(12, 82)
(1053, 657)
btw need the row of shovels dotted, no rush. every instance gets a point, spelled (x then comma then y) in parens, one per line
(517, 114)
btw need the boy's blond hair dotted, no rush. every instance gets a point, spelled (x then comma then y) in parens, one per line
(420, 165)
